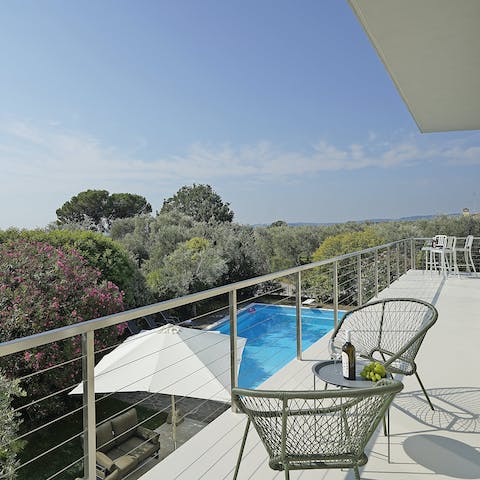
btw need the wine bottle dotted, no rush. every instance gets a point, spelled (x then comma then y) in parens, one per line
(348, 358)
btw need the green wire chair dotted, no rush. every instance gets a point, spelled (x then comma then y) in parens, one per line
(315, 429)
(388, 331)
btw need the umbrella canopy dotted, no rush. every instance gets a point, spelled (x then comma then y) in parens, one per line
(171, 360)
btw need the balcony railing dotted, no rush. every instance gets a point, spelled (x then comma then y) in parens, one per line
(338, 283)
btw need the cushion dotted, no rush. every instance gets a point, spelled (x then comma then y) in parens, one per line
(104, 437)
(124, 426)
(115, 475)
(104, 461)
(126, 464)
(138, 448)
(115, 453)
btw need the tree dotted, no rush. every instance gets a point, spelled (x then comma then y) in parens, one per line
(318, 283)
(100, 208)
(347, 242)
(152, 240)
(124, 205)
(199, 202)
(192, 267)
(237, 246)
(91, 204)
(42, 288)
(279, 223)
(287, 246)
(134, 234)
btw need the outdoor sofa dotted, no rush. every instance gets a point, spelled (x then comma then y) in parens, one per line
(122, 445)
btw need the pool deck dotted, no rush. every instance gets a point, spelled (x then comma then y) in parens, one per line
(440, 444)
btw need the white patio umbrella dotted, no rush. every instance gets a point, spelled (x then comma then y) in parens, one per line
(171, 360)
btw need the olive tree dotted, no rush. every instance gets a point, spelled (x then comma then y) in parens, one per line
(193, 266)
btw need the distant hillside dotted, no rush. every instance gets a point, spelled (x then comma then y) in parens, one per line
(372, 220)
(409, 219)
(302, 224)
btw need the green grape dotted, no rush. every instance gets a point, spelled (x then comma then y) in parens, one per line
(374, 371)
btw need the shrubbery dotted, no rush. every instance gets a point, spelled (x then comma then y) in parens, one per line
(101, 252)
(9, 425)
(42, 288)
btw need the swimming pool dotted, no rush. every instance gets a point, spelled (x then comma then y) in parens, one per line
(271, 332)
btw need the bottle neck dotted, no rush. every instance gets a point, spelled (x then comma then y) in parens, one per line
(347, 336)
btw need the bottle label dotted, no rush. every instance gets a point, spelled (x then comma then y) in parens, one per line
(345, 365)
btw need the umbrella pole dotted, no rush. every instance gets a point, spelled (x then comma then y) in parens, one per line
(174, 423)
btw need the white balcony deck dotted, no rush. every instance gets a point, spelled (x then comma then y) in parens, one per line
(439, 444)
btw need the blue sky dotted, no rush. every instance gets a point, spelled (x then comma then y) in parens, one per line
(282, 106)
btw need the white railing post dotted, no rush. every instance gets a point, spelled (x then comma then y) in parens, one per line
(298, 305)
(388, 266)
(335, 293)
(359, 280)
(89, 422)
(412, 253)
(376, 273)
(397, 254)
(405, 256)
(232, 302)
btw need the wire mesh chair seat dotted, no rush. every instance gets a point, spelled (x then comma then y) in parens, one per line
(315, 429)
(388, 331)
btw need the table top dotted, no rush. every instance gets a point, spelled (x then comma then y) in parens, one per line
(438, 248)
(330, 371)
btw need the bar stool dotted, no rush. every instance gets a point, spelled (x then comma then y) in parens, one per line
(451, 257)
(467, 252)
(439, 249)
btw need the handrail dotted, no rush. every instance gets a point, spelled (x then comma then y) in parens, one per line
(62, 333)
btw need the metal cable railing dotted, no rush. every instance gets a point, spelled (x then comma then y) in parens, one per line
(343, 282)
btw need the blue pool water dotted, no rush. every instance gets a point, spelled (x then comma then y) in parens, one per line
(270, 333)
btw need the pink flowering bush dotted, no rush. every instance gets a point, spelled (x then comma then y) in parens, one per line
(42, 288)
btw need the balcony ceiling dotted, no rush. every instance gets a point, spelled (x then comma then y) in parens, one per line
(431, 49)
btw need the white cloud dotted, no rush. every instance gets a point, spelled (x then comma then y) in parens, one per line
(43, 166)
(51, 155)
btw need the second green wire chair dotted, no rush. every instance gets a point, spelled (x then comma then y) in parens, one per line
(315, 429)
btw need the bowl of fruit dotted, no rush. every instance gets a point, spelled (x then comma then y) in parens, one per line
(374, 371)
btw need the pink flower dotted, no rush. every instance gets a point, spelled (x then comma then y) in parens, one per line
(121, 328)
